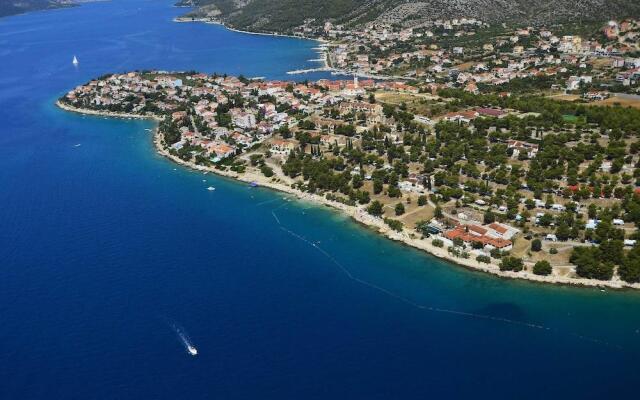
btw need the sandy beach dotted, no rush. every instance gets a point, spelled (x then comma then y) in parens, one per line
(360, 215)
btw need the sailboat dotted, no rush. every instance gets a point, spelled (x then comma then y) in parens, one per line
(75, 61)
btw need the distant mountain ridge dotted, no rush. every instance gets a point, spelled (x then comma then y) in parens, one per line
(281, 15)
(12, 7)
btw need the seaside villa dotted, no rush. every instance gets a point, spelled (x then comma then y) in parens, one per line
(491, 236)
(282, 147)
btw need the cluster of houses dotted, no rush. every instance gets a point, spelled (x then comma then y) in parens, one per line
(223, 115)
(390, 43)
(624, 32)
(220, 116)
(194, 103)
(423, 52)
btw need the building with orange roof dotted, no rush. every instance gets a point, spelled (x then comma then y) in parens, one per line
(282, 147)
(470, 234)
(461, 116)
(221, 150)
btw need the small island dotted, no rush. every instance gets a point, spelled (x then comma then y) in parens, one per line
(497, 183)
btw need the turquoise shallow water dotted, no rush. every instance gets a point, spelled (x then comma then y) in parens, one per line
(107, 248)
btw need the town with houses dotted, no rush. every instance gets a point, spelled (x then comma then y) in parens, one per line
(517, 150)
(470, 54)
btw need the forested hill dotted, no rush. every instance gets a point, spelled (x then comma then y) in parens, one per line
(12, 7)
(280, 15)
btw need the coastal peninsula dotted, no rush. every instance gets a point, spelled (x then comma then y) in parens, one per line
(13, 7)
(414, 179)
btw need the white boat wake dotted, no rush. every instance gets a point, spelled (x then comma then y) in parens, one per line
(185, 340)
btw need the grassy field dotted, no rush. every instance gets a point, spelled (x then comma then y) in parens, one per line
(572, 118)
(522, 248)
(413, 213)
(623, 102)
(611, 101)
(565, 97)
(420, 104)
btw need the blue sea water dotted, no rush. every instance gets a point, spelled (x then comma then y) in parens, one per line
(108, 249)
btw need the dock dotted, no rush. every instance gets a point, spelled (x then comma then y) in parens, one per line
(308, 71)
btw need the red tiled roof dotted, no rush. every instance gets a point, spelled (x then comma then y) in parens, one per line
(490, 111)
(477, 229)
(498, 228)
(460, 232)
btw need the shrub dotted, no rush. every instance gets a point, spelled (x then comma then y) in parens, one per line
(536, 245)
(483, 259)
(489, 217)
(437, 242)
(266, 171)
(255, 159)
(375, 208)
(496, 253)
(542, 268)
(393, 224)
(394, 191)
(590, 264)
(511, 264)
(437, 213)
(453, 251)
(630, 269)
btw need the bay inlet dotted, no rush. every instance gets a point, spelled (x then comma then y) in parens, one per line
(104, 242)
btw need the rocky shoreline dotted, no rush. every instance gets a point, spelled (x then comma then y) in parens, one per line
(215, 22)
(360, 215)
(69, 108)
